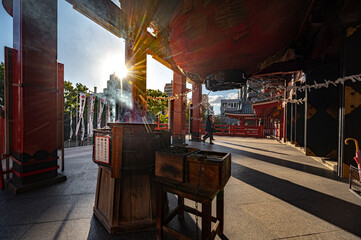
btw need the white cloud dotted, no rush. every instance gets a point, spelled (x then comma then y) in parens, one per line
(215, 100)
(233, 95)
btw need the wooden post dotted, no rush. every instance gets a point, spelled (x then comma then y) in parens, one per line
(206, 219)
(179, 114)
(181, 207)
(220, 210)
(160, 211)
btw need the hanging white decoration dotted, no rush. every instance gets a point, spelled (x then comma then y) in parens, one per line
(71, 125)
(91, 115)
(82, 100)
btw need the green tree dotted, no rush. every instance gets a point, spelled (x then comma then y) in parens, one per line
(71, 93)
(157, 108)
(71, 102)
(2, 80)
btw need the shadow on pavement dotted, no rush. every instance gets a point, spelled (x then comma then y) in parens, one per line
(259, 149)
(284, 163)
(331, 209)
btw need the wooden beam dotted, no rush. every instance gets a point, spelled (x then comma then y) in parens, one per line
(103, 12)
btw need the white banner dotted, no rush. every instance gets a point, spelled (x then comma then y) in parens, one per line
(71, 124)
(82, 100)
(91, 115)
(101, 106)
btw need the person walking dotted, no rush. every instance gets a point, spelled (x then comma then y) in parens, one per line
(210, 129)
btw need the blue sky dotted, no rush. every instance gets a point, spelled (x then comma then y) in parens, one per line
(91, 54)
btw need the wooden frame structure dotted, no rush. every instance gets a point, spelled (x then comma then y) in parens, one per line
(166, 186)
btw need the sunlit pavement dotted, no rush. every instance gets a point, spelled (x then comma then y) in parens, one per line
(275, 192)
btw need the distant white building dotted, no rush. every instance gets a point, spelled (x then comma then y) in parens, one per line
(243, 105)
(168, 89)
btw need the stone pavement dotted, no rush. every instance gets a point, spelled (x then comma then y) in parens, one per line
(275, 192)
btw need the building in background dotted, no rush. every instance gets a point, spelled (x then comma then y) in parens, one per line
(113, 86)
(168, 89)
(239, 111)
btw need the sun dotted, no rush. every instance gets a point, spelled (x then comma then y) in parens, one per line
(114, 64)
(122, 72)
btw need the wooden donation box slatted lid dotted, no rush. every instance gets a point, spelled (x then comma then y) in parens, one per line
(204, 171)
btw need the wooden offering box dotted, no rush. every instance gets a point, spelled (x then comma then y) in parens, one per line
(125, 194)
(171, 163)
(211, 170)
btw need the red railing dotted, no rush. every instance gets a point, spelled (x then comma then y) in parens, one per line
(161, 126)
(226, 130)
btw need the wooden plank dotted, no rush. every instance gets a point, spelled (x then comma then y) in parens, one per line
(215, 230)
(160, 211)
(220, 210)
(181, 207)
(117, 151)
(176, 234)
(198, 213)
(105, 13)
(97, 188)
(171, 215)
(206, 219)
(125, 200)
(169, 166)
(140, 198)
(116, 202)
(111, 202)
(104, 192)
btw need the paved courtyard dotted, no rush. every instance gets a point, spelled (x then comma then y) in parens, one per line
(275, 192)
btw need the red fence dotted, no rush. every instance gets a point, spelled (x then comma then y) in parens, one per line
(226, 130)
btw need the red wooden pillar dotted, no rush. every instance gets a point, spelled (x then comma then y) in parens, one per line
(280, 125)
(34, 131)
(196, 117)
(179, 112)
(284, 123)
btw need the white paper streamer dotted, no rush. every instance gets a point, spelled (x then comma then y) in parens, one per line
(91, 115)
(82, 100)
(71, 125)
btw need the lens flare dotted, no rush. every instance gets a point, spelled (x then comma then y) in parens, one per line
(114, 64)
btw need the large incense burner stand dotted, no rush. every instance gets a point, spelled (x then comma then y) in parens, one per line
(125, 193)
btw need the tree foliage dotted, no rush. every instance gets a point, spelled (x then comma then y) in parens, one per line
(71, 93)
(157, 108)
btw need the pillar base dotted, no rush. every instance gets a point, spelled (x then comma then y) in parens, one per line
(179, 141)
(16, 188)
(196, 137)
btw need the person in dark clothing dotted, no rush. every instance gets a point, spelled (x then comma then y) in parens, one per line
(210, 129)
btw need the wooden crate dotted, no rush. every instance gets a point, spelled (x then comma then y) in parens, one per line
(170, 163)
(210, 170)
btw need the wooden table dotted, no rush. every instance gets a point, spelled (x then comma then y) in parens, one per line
(205, 199)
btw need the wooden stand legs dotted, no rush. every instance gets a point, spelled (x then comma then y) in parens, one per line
(206, 214)
(206, 219)
(181, 207)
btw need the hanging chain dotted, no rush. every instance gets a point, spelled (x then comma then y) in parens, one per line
(200, 172)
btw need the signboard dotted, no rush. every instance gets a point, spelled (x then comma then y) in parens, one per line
(102, 151)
